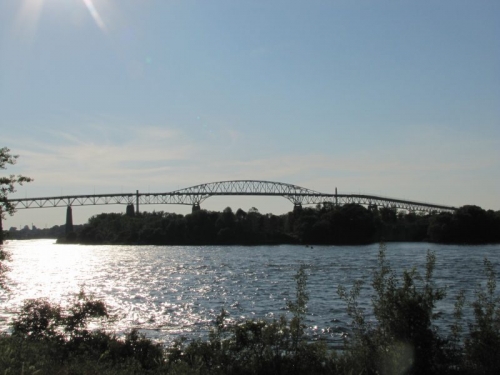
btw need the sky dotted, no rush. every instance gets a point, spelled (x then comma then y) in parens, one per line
(392, 98)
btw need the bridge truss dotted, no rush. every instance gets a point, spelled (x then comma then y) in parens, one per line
(195, 195)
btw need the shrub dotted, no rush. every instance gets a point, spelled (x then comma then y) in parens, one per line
(61, 338)
(38, 320)
(403, 340)
(482, 344)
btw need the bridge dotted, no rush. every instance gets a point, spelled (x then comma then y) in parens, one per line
(195, 195)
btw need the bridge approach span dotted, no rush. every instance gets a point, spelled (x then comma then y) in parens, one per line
(195, 195)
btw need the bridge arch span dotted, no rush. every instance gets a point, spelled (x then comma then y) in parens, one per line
(197, 194)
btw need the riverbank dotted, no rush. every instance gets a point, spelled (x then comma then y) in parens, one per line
(349, 224)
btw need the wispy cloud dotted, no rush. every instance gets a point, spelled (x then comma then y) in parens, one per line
(420, 167)
(76, 161)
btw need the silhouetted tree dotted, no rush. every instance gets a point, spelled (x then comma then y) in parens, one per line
(468, 224)
(323, 224)
(8, 185)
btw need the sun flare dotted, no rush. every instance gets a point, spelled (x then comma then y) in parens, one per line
(95, 14)
(31, 10)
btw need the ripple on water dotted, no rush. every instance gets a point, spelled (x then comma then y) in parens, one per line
(172, 291)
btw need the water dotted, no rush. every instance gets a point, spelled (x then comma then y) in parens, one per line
(169, 291)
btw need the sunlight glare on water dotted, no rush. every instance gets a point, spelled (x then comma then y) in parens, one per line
(51, 271)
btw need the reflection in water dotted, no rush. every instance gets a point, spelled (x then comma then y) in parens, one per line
(171, 291)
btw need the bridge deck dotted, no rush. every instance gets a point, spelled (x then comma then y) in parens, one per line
(196, 194)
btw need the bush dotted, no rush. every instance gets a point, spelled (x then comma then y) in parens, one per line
(48, 338)
(482, 344)
(40, 320)
(403, 340)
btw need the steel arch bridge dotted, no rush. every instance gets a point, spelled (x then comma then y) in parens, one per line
(195, 195)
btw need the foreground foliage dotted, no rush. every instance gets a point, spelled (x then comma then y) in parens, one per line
(47, 339)
(8, 185)
(403, 340)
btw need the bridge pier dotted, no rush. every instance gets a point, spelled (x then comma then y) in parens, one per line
(297, 208)
(196, 207)
(130, 210)
(69, 220)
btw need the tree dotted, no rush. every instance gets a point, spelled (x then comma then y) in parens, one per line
(8, 185)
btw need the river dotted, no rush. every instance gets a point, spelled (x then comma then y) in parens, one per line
(172, 291)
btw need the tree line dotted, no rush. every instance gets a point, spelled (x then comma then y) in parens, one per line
(27, 233)
(350, 224)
